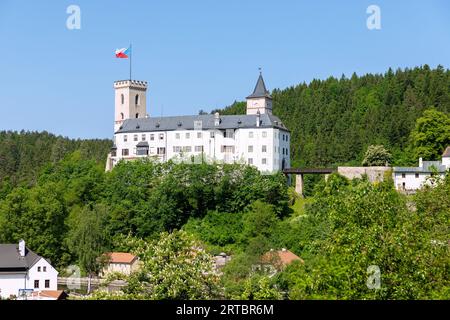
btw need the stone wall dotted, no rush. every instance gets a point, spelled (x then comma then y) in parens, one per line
(373, 173)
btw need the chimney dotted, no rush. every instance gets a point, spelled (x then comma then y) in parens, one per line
(420, 162)
(22, 248)
(258, 118)
(216, 119)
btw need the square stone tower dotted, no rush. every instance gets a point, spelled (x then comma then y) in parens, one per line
(130, 101)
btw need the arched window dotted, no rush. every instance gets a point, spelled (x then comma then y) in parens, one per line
(122, 99)
(136, 100)
(137, 115)
(121, 115)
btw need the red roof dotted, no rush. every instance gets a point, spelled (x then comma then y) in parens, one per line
(120, 257)
(56, 294)
(281, 257)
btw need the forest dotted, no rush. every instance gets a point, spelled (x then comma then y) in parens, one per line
(333, 121)
(55, 194)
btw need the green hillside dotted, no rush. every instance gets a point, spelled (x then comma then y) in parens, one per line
(24, 154)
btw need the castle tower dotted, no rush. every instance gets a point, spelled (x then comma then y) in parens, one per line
(130, 101)
(260, 100)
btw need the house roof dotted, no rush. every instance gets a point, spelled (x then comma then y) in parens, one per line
(120, 257)
(55, 294)
(10, 259)
(427, 167)
(260, 89)
(142, 144)
(283, 257)
(446, 152)
(206, 122)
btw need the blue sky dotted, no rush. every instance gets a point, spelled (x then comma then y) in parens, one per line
(195, 54)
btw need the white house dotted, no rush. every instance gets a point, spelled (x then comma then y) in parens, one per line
(22, 271)
(257, 138)
(122, 262)
(410, 179)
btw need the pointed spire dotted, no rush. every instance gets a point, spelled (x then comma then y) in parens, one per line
(260, 88)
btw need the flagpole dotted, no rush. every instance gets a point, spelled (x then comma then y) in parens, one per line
(131, 54)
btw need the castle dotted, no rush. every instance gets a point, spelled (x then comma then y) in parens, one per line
(257, 138)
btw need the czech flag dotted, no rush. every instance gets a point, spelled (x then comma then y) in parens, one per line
(123, 53)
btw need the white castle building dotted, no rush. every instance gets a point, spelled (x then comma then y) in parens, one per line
(257, 138)
(410, 179)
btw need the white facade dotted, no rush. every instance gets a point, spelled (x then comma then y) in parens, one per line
(125, 268)
(260, 139)
(264, 148)
(41, 276)
(414, 178)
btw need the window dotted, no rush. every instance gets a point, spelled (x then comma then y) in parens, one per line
(39, 269)
(143, 137)
(161, 136)
(250, 134)
(36, 284)
(264, 161)
(264, 149)
(198, 148)
(250, 160)
(227, 149)
(229, 133)
(199, 135)
(122, 100)
(137, 115)
(417, 175)
(404, 185)
(187, 149)
(211, 134)
(176, 149)
(188, 135)
(250, 148)
(161, 151)
(136, 100)
(125, 152)
(125, 138)
(47, 283)
(44, 269)
(152, 137)
(121, 116)
(135, 137)
(264, 134)
(142, 151)
(403, 175)
(287, 137)
(177, 135)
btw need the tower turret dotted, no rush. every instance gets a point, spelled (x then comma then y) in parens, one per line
(260, 100)
(130, 101)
